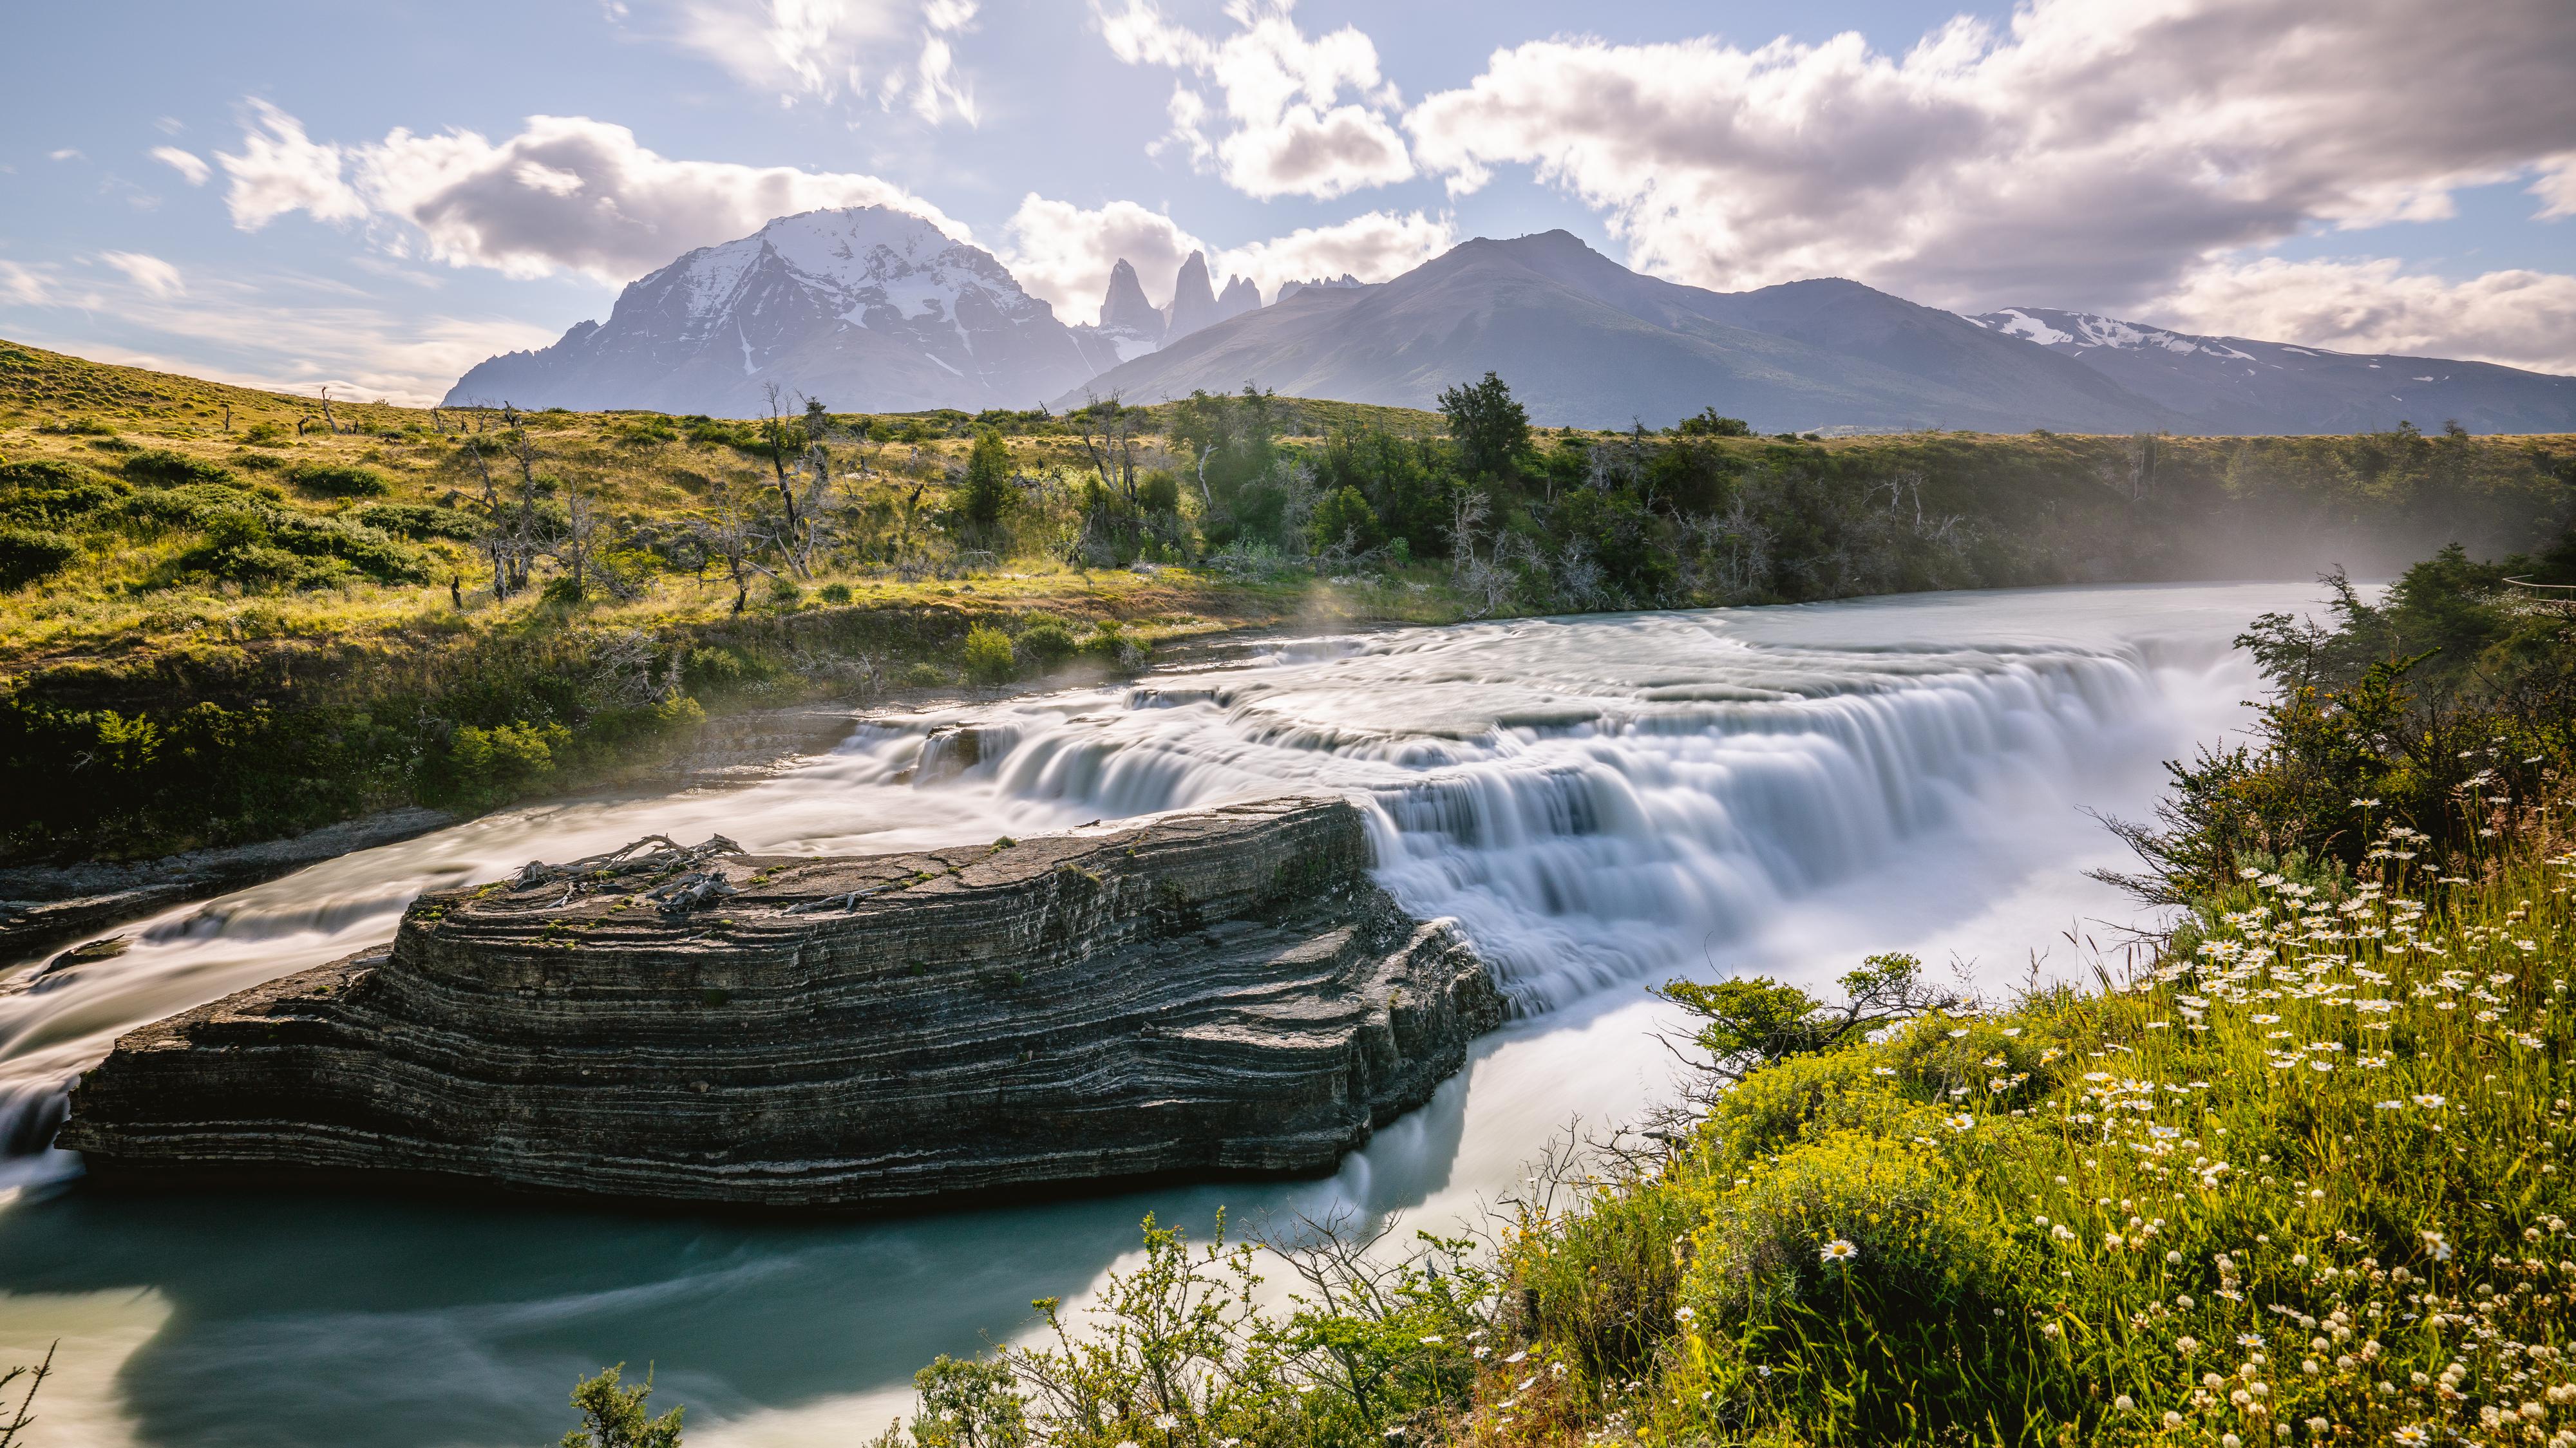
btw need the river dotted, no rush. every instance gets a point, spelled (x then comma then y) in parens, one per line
(1602, 802)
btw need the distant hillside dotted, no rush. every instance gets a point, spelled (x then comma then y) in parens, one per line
(1587, 342)
(2229, 385)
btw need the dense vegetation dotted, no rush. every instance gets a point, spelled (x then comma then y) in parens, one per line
(2297, 1177)
(227, 614)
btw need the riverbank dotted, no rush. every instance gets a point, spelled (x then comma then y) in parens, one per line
(229, 616)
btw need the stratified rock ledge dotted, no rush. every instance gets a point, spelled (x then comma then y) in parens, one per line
(1223, 991)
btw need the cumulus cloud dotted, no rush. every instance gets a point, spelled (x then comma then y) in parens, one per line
(2518, 318)
(188, 164)
(150, 273)
(566, 193)
(280, 169)
(1373, 246)
(1063, 253)
(2089, 153)
(822, 50)
(1287, 128)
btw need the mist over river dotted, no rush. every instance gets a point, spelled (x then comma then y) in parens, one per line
(1602, 803)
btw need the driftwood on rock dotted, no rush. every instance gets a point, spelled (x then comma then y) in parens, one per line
(1219, 991)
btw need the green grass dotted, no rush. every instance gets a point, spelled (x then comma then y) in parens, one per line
(2315, 1151)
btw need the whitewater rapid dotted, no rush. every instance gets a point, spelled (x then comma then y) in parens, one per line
(1600, 802)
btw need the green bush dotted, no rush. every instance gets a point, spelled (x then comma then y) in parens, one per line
(835, 593)
(1046, 642)
(1343, 519)
(922, 675)
(265, 434)
(987, 656)
(413, 520)
(161, 467)
(48, 493)
(340, 480)
(28, 555)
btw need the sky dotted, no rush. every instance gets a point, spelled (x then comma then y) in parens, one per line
(376, 197)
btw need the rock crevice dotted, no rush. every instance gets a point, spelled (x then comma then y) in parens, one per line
(1223, 991)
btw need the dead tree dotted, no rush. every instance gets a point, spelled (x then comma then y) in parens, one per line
(776, 430)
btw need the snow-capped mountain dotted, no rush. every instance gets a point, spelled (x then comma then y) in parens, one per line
(2237, 385)
(867, 308)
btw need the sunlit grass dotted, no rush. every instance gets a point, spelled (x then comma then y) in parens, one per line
(2301, 1180)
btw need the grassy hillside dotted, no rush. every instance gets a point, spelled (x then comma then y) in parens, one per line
(227, 613)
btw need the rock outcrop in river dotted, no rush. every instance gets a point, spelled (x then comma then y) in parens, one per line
(1213, 992)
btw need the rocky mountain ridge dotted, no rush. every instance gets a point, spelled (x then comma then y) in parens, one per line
(2231, 385)
(872, 310)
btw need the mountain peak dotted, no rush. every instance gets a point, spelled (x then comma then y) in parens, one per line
(1193, 298)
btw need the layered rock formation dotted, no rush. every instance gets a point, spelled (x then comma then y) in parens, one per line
(1213, 992)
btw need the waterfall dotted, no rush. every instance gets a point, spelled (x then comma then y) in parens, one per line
(1594, 800)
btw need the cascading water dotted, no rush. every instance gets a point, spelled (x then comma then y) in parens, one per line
(1599, 801)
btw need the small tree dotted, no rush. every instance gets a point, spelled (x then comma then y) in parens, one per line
(988, 482)
(613, 1417)
(1489, 427)
(1343, 520)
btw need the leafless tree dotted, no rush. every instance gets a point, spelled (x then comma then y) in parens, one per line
(1108, 432)
(775, 429)
(730, 531)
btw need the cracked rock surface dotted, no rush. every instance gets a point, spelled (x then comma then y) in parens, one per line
(1220, 991)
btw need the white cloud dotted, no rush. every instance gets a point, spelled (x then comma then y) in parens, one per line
(263, 334)
(67, 153)
(280, 169)
(2518, 318)
(188, 164)
(1373, 246)
(25, 286)
(566, 193)
(1063, 253)
(150, 273)
(1292, 133)
(2089, 154)
(2556, 187)
(821, 50)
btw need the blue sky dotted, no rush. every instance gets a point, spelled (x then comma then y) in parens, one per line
(317, 194)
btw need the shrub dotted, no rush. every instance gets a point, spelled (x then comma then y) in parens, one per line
(340, 480)
(161, 467)
(265, 434)
(54, 493)
(1709, 424)
(29, 555)
(1047, 643)
(1343, 519)
(923, 675)
(504, 755)
(987, 656)
(413, 520)
(785, 592)
(835, 593)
